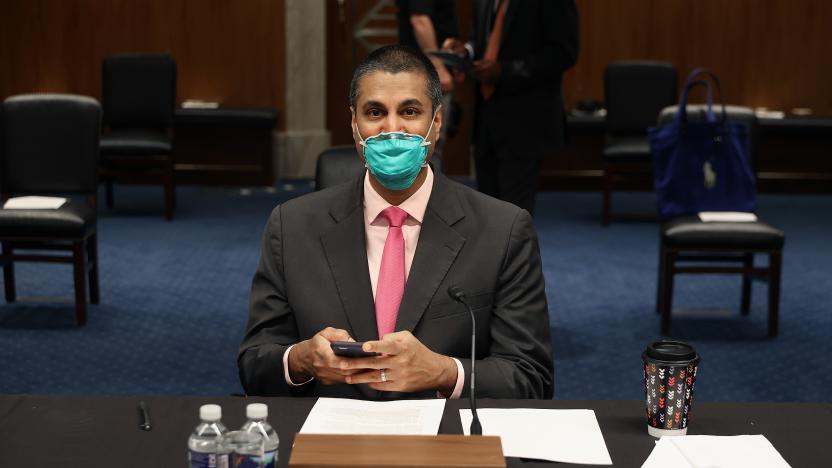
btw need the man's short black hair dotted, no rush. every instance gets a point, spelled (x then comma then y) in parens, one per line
(397, 59)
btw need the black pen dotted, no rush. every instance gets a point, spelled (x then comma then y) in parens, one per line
(144, 417)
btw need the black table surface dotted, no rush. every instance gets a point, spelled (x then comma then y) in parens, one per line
(99, 431)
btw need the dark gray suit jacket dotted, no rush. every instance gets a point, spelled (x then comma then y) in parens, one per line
(313, 274)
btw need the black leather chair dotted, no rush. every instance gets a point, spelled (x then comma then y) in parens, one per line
(635, 92)
(50, 145)
(689, 245)
(337, 165)
(139, 99)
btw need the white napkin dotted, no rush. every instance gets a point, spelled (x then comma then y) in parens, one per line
(34, 203)
(743, 451)
(727, 216)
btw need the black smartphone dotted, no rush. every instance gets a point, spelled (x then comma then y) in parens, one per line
(350, 349)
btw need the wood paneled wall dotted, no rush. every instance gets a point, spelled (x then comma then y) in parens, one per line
(228, 51)
(772, 53)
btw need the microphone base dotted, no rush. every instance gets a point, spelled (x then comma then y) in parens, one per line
(476, 427)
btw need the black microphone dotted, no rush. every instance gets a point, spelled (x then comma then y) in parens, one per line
(459, 295)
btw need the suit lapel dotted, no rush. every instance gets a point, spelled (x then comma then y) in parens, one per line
(346, 251)
(439, 244)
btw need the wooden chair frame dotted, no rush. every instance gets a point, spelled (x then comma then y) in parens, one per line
(724, 261)
(84, 260)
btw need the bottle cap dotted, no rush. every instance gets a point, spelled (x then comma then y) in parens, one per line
(210, 412)
(257, 411)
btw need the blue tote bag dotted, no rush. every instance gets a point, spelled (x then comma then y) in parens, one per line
(703, 165)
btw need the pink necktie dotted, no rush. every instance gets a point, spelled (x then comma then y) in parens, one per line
(390, 287)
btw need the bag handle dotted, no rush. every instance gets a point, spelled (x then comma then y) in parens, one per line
(690, 83)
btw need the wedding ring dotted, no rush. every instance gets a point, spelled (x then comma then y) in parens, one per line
(383, 375)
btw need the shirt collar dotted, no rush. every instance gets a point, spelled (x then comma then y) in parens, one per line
(415, 205)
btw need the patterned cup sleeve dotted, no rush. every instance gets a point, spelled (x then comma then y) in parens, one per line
(668, 394)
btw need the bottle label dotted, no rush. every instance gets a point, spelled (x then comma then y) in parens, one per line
(246, 461)
(207, 460)
(240, 460)
(270, 459)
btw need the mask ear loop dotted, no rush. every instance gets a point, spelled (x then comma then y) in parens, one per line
(426, 142)
(432, 120)
(361, 140)
(363, 144)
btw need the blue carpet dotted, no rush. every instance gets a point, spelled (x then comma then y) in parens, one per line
(174, 303)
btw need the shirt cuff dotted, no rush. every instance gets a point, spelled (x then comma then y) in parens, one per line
(460, 382)
(286, 370)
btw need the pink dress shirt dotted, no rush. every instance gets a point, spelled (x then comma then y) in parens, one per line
(375, 227)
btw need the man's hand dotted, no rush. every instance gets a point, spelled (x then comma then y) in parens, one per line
(314, 358)
(409, 366)
(487, 71)
(446, 81)
(456, 46)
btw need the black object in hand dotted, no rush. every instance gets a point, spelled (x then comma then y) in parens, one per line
(452, 60)
(350, 349)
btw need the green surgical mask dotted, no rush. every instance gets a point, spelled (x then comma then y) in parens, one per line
(395, 158)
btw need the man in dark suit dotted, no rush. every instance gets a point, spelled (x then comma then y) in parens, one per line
(520, 50)
(373, 259)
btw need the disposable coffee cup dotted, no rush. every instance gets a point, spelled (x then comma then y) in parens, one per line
(669, 376)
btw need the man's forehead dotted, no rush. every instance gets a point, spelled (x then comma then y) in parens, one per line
(392, 88)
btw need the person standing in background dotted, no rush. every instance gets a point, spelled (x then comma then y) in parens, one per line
(425, 25)
(520, 49)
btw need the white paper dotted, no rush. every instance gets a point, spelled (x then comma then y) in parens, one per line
(743, 451)
(568, 436)
(400, 417)
(34, 203)
(727, 216)
(664, 455)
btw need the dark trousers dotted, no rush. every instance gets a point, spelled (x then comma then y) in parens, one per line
(503, 173)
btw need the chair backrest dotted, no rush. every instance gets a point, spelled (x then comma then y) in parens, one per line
(139, 90)
(50, 144)
(635, 92)
(739, 114)
(337, 165)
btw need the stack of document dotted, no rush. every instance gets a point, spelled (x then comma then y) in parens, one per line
(34, 203)
(400, 417)
(744, 451)
(570, 436)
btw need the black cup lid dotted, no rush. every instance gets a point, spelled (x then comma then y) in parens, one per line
(671, 351)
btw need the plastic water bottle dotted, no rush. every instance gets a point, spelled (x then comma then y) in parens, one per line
(257, 414)
(204, 445)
